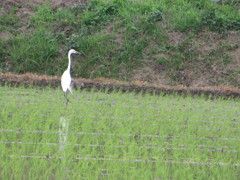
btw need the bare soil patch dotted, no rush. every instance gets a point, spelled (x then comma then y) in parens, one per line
(151, 71)
(5, 35)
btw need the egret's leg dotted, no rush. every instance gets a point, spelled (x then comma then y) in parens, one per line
(67, 98)
(65, 95)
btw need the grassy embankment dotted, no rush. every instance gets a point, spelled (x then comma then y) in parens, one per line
(117, 36)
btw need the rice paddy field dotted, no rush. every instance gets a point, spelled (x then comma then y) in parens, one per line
(101, 135)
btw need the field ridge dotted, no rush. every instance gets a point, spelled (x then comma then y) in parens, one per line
(115, 85)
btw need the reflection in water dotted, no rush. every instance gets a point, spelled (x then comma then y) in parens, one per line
(63, 132)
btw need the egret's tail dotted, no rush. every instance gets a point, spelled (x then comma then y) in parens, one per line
(70, 89)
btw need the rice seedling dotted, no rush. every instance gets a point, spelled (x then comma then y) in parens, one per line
(116, 136)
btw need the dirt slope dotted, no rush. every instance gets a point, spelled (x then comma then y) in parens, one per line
(209, 67)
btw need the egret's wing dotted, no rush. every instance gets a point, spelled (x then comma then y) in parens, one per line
(71, 85)
(64, 83)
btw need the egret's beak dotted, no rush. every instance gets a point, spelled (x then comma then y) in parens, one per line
(82, 53)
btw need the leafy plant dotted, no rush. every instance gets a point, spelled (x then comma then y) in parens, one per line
(154, 16)
(217, 21)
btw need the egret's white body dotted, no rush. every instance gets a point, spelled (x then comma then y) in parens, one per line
(66, 81)
(66, 77)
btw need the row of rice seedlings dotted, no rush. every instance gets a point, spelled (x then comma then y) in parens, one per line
(149, 136)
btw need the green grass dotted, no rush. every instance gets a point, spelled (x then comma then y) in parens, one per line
(9, 21)
(34, 55)
(117, 136)
(114, 35)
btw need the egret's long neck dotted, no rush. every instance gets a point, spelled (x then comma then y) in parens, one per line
(69, 62)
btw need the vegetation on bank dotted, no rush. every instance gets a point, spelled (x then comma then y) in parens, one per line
(115, 36)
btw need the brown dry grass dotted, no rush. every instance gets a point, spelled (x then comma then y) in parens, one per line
(111, 85)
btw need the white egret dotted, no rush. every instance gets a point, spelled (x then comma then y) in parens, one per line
(66, 77)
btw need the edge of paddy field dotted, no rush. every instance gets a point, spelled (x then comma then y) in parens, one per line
(110, 85)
